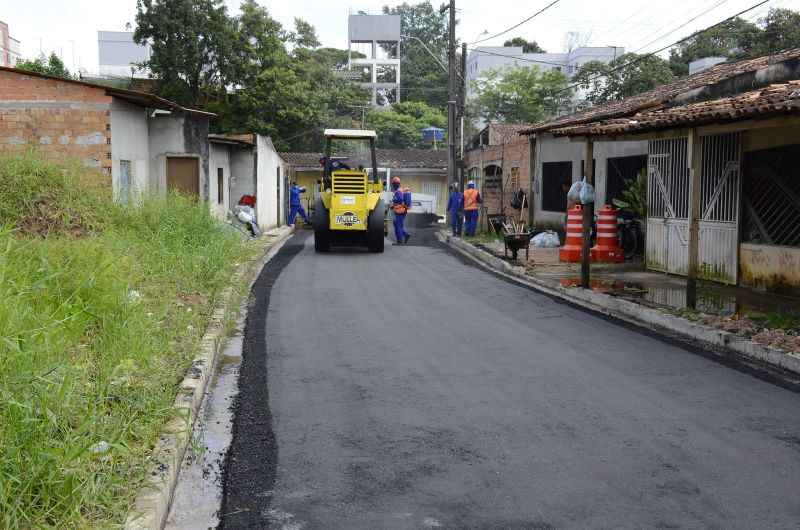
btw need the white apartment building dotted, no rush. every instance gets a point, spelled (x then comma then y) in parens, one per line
(9, 47)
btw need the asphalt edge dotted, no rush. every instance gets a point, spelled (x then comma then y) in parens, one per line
(153, 501)
(631, 312)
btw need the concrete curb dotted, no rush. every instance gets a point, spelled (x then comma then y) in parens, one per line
(153, 501)
(634, 313)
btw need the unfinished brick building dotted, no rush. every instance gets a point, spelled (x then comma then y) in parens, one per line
(131, 140)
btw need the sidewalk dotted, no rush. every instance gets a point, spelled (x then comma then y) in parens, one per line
(757, 324)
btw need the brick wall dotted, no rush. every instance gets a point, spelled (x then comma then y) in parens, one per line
(507, 155)
(65, 121)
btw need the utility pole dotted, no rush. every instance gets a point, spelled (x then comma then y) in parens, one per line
(462, 106)
(451, 97)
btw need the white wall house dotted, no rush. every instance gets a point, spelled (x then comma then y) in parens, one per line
(485, 58)
(119, 55)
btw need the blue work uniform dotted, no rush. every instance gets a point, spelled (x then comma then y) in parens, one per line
(295, 206)
(400, 209)
(471, 199)
(454, 206)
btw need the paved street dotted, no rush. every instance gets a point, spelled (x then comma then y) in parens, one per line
(415, 390)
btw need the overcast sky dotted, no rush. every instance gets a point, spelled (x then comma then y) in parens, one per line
(70, 26)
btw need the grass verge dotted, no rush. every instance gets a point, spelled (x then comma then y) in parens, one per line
(102, 308)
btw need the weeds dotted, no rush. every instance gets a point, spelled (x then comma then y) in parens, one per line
(88, 371)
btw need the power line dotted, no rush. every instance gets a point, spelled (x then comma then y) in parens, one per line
(519, 24)
(477, 50)
(651, 54)
(681, 26)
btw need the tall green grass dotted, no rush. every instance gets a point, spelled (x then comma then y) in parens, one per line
(96, 332)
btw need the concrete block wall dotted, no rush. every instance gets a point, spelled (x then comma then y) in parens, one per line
(62, 120)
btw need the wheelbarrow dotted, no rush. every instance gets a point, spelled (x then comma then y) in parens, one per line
(516, 242)
(515, 238)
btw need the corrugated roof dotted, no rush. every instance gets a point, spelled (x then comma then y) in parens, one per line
(143, 99)
(774, 100)
(661, 96)
(392, 158)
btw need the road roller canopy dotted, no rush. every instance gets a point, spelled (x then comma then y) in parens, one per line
(350, 134)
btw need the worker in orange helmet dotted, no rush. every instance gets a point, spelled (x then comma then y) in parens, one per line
(400, 210)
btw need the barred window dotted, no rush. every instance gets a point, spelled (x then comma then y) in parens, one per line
(618, 171)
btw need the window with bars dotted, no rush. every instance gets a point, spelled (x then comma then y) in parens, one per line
(620, 173)
(494, 176)
(554, 174)
(772, 196)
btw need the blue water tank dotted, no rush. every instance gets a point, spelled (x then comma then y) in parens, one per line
(430, 133)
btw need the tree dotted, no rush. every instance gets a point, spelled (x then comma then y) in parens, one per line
(518, 94)
(740, 39)
(422, 77)
(575, 39)
(192, 45)
(627, 75)
(305, 35)
(401, 127)
(781, 30)
(733, 38)
(50, 65)
(528, 46)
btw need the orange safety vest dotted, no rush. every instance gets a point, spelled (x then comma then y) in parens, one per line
(471, 199)
(400, 207)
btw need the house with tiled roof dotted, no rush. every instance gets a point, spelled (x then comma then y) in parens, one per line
(497, 159)
(722, 158)
(423, 170)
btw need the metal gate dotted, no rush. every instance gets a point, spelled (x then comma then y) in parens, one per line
(719, 208)
(668, 207)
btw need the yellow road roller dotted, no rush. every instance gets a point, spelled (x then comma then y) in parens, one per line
(350, 210)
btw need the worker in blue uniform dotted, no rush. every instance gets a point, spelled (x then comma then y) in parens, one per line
(472, 198)
(295, 206)
(454, 206)
(400, 210)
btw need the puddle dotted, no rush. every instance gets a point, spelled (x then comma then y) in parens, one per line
(199, 492)
(670, 291)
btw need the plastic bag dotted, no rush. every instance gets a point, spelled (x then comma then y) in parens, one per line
(587, 192)
(547, 239)
(245, 217)
(574, 193)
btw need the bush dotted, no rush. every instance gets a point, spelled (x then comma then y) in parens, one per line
(43, 199)
(96, 332)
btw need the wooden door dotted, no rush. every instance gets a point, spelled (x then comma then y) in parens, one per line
(183, 175)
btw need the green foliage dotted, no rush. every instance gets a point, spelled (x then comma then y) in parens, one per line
(528, 46)
(305, 35)
(635, 196)
(423, 79)
(627, 75)
(740, 39)
(518, 94)
(729, 39)
(89, 367)
(50, 65)
(193, 45)
(41, 199)
(785, 319)
(401, 127)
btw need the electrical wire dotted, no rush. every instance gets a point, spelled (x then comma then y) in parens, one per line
(642, 57)
(719, 3)
(518, 24)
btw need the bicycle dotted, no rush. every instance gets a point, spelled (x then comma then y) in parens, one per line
(628, 233)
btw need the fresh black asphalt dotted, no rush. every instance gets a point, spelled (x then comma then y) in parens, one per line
(413, 390)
